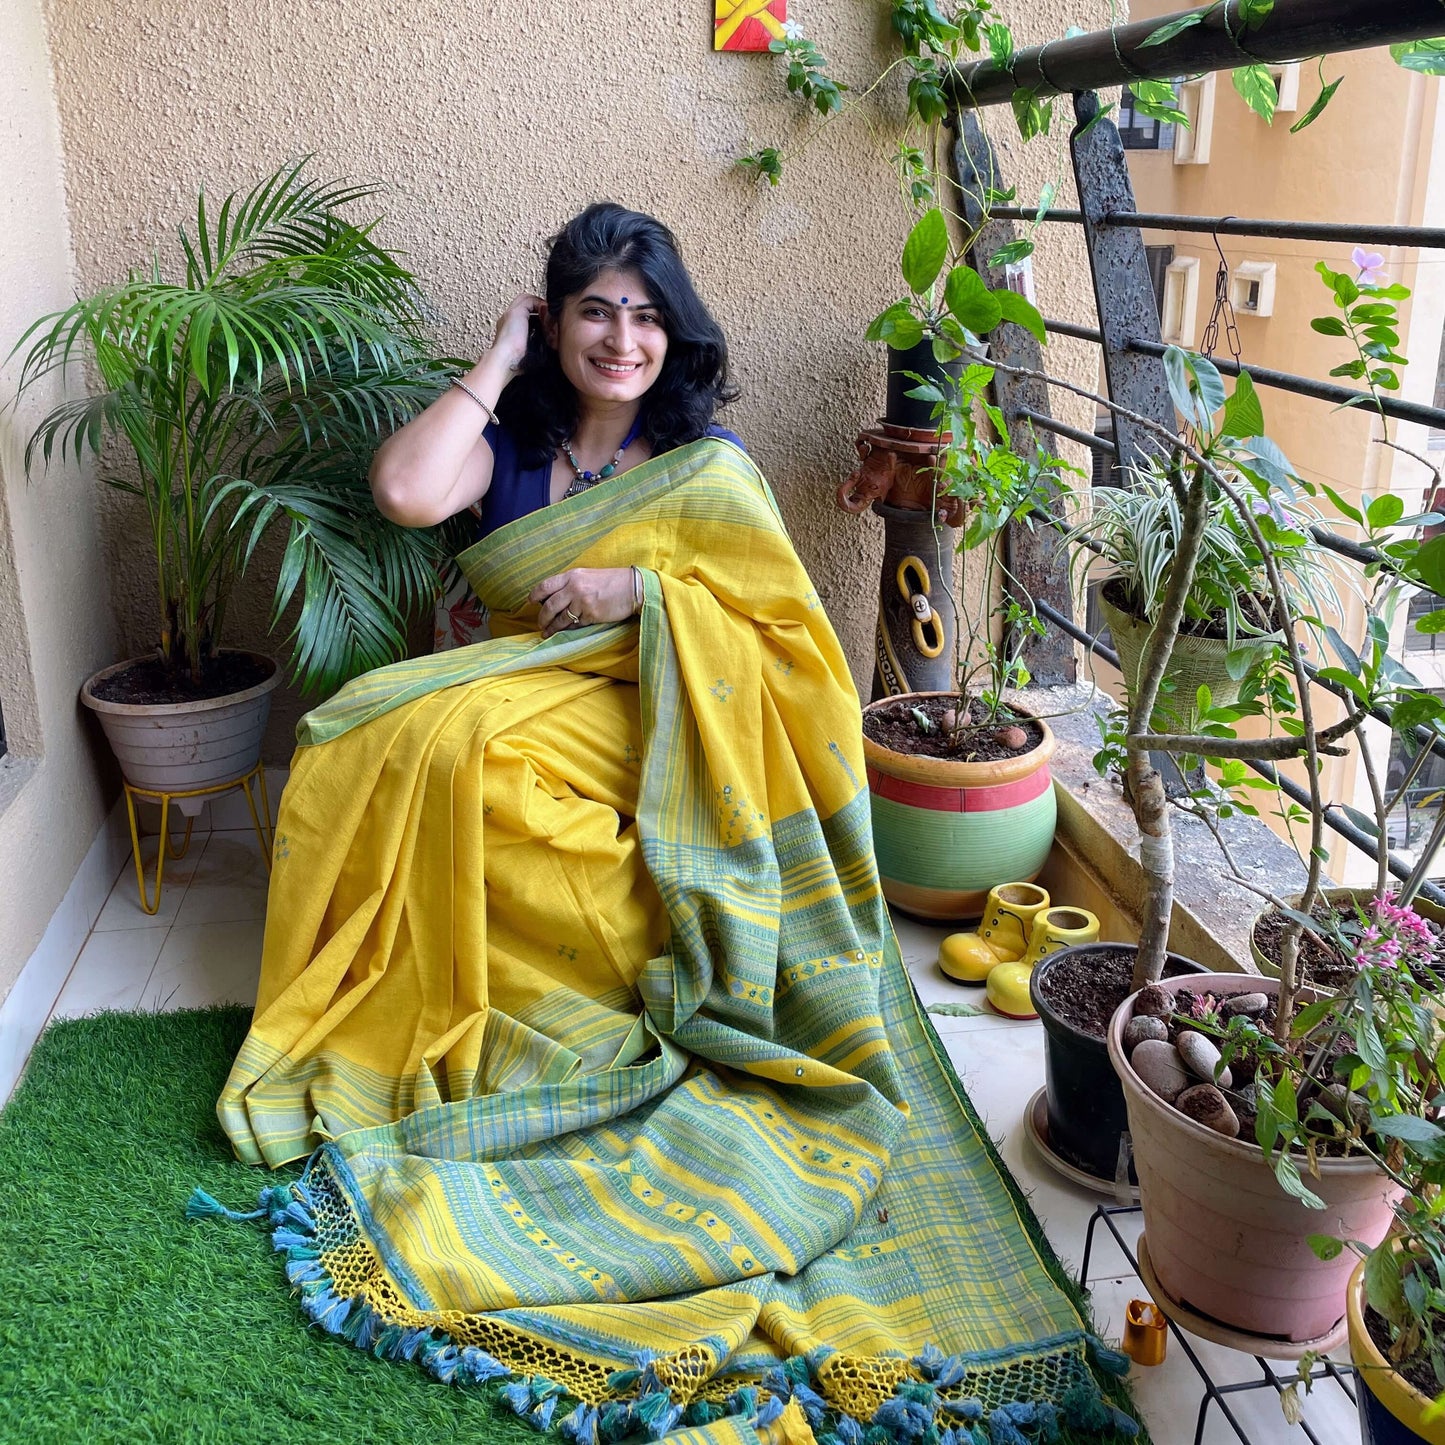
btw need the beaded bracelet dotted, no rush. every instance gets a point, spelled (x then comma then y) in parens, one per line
(462, 386)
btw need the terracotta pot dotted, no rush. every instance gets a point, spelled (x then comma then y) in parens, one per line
(181, 746)
(1223, 1237)
(1270, 969)
(1390, 1407)
(1085, 1101)
(945, 832)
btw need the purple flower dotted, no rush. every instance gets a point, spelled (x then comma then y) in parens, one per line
(1371, 266)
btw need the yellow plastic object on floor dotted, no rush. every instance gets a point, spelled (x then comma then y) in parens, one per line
(1003, 934)
(1057, 928)
(1146, 1333)
(1007, 986)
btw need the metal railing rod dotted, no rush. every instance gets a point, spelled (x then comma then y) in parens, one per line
(1063, 429)
(1345, 233)
(1337, 821)
(1072, 328)
(1430, 416)
(1220, 41)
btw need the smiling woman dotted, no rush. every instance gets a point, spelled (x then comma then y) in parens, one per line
(621, 361)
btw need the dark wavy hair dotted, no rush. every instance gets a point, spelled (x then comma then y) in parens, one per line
(539, 406)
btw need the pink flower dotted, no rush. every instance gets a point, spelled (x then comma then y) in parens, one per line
(1370, 265)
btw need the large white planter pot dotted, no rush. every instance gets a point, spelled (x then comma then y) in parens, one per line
(181, 747)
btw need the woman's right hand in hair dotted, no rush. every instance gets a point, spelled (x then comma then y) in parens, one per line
(509, 343)
(439, 463)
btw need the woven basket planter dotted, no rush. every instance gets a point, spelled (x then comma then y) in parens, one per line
(1195, 662)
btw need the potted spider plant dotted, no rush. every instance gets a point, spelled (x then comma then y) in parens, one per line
(247, 393)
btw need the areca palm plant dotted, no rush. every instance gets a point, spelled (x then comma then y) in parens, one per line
(251, 395)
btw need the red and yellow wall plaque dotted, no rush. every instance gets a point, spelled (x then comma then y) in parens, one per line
(747, 24)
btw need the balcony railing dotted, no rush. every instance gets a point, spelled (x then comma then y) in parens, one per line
(1128, 332)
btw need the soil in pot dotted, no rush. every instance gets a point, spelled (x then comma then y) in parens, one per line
(894, 726)
(1323, 965)
(148, 682)
(1417, 1370)
(1085, 989)
(1213, 626)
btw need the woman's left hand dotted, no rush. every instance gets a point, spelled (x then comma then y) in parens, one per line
(583, 596)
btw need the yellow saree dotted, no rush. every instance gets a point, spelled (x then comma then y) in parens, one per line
(579, 982)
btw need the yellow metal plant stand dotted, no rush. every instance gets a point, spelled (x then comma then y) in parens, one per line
(261, 821)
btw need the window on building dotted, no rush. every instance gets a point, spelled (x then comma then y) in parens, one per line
(1286, 86)
(1179, 304)
(1159, 259)
(1408, 826)
(1141, 132)
(1251, 288)
(1196, 100)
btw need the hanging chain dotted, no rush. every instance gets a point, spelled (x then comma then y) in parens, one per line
(1223, 311)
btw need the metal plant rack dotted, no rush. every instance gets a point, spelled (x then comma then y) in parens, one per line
(1213, 1393)
(1128, 332)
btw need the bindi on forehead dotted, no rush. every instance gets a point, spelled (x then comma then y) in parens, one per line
(630, 303)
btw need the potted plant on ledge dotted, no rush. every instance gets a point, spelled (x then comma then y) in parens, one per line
(249, 395)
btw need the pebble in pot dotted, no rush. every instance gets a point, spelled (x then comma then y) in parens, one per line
(1144, 1027)
(1244, 1005)
(1201, 1058)
(1206, 1105)
(1153, 1002)
(1158, 1064)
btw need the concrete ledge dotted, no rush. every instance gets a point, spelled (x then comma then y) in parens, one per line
(1096, 862)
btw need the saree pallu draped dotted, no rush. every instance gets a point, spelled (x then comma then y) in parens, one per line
(578, 979)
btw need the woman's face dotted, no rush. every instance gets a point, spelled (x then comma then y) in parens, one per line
(609, 338)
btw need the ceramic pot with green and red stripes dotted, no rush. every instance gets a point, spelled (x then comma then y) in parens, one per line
(945, 832)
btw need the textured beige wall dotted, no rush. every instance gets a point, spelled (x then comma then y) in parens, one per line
(490, 126)
(55, 626)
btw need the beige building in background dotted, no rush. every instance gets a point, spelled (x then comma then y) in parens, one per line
(1375, 156)
(488, 126)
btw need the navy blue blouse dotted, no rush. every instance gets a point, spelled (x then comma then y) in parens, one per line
(517, 490)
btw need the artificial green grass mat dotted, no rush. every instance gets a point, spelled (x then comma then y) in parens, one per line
(121, 1321)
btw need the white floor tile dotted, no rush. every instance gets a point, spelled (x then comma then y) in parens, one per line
(122, 909)
(111, 971)
(229, 884)
(1169, 1394)
(207, 963)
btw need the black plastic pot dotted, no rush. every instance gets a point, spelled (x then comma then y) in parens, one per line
(910, 411)
(1086, 1102)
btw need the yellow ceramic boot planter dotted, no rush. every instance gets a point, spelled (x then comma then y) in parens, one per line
(1053, 929)
(1003, 934)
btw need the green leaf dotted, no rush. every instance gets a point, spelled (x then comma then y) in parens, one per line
(1011, 252)
(898, 326)
(970, 301)
(1156, 98)
(1174, 27)
(1327, 94)
(1425, 56)
(1254, 12)
(1385, 511)
(1431, 622)
(1325, 1246)
(1256, 85)
(1000, 44)
(1286, 1171)
(1022, 311)
(1034, 116)
(1195, 385)
(1429, 565)
(1343, 507)
(1243, 415)
(1329, 326)
(925, 251)
(1384, 1284)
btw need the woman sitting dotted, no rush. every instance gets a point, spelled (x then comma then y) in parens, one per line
(574, 942)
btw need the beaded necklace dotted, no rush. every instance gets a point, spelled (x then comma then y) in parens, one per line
(585, 479)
